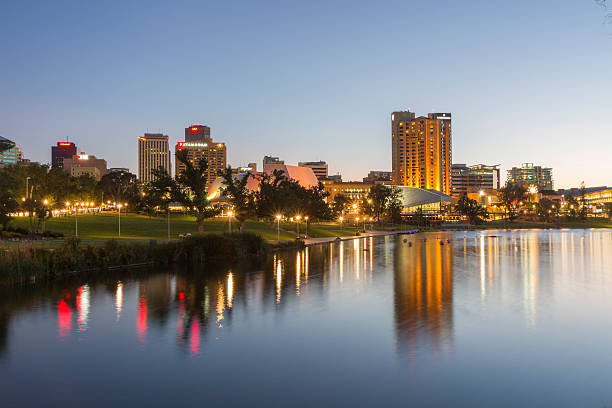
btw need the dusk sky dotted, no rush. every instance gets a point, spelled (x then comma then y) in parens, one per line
(525, 81)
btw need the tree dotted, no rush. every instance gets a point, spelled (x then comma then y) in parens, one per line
(608, 209)
(8, 205)
(511, 195)
(340, 203)
(546, 208)
(120, 186)
(582, 213)
(378, 197)
(190, 190)
(158, 193)
(572, 205)
(394, 206)
(240, 196)
(470, 209)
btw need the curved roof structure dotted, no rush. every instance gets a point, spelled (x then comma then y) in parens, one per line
(414, 197)
(303, 175)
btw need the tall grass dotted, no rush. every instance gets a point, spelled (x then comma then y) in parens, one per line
(28, 262)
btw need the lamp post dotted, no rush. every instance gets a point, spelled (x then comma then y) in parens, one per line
(306, 221)
(229, 218)
(45, 202)
(119, 208)
(298, 224)
(76, 219)
(278, 218)
(27, 187)
(341, 224)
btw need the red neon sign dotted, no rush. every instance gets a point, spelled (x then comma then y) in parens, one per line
(194, 128)
(64, 144)
(142, 138)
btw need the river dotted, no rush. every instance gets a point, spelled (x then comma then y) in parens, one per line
(486, 318)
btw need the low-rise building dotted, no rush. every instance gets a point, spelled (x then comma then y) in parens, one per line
(378, 176)
(10, 153)
(85, 164)
(319, 168)
(354, 190)
(530, 175)
(473, 179)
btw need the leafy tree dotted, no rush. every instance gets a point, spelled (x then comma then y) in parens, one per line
(470, 209)
(240, 196)
(511, 195)
(419, 219)
(120, 186)
(608, 209)
(572, 207)
(546, 208)
(158, 193)
(339, 205)
(582, 212)
(394, 206)
(191, 189)
(379, 198)
(8, 205)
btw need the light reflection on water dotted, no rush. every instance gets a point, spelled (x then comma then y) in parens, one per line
(387, 320)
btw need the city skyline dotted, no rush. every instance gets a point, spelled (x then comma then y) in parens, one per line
(316, 93)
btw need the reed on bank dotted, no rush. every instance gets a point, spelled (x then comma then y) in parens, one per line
(27, 262)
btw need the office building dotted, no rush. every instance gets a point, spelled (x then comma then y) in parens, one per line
(153, 153)
(201, 146)
(354, 190)
(10, 152)
(61, 151)
(197, 134)
(85, 164)
(378, 176)
(421, 150)
(272, 160)
(319, 168)
(529, 175)
(470, 179)
(118, 170)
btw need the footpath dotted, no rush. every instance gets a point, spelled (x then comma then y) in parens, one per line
(326, 240)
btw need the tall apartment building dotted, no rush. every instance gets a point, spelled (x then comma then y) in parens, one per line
(319, 168)
(421, 150)
(63, 150)
(153, 152)
(528, 174)
(471, 179)
(200, 145)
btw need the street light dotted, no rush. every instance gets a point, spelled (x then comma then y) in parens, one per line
(229, 218)
(119, 207)
(306, 221)
(297, 217)
(341, 224)
(278, 218)
(45, 202)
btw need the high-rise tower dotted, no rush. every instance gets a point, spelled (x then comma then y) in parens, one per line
(422, 150)
(153, 152)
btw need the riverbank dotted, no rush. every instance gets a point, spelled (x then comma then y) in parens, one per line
(32, 263)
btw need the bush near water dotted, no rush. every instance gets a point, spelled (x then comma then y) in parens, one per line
(30, 262)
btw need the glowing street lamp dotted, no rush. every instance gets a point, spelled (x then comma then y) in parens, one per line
(229, 218)
(341, 223)
(119, 208)
(298, 217)
(306, 221)
(278, 218)
(45, 202)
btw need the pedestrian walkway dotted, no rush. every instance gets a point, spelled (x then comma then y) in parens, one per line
(325, 240)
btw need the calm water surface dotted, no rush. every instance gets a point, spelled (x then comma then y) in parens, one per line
(493, 318)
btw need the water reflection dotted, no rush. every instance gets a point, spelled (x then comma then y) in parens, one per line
(417, 283)
(423, 294)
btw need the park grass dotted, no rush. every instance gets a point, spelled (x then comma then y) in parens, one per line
(95, 229)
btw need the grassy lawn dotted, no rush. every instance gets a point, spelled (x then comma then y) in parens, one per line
(102, 227)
